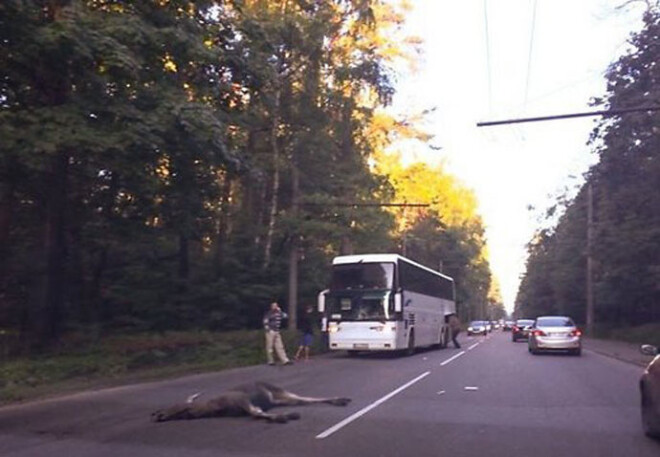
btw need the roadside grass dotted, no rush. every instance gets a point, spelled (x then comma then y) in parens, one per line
(122, 359)
(643, 334)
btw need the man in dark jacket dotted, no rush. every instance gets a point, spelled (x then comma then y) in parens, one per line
(454, 328)
(272, 324)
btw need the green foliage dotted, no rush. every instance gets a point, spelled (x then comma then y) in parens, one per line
(626, 229)
(164, 162)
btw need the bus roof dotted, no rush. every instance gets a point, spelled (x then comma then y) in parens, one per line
(393, 258)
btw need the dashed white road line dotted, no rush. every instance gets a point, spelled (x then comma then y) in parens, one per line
(365, 410)
(473, 346)
(452, 358)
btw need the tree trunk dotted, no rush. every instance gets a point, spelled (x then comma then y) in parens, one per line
(7, 202)
(293, 253)
(276, 181)
(223, 218)
(184, 255)
(55, 249)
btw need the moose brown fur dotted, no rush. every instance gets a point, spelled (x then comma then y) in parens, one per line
(253, 399)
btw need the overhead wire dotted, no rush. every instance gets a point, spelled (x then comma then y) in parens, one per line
(530, 53)
(488, 67)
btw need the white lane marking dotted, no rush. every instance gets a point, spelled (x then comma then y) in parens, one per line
(365, 410)
(452, 358)
(473, 346)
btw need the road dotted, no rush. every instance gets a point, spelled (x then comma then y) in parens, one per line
(548, 405)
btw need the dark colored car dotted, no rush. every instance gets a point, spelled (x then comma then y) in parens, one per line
(508, 326)
(521, 328)
(649, 386)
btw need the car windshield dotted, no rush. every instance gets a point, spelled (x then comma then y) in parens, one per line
(554, 322)
(476, 323)
(362, 276)
(524, 322)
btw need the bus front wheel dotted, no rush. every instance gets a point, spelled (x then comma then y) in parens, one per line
(411, 344)
(444, 339)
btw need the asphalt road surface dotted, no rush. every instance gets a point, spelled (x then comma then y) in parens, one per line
(489, 398)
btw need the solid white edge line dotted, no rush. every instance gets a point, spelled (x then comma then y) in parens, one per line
(452, 358)
(366, 409)
(473, 346)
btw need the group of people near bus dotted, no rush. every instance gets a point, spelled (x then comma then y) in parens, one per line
(275, 346)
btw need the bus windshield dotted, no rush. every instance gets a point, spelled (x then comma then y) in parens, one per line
(362, 307)
(362, 276)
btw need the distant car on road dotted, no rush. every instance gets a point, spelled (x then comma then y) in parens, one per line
(520, 330)
(552, 333)
(477, 328)
(649, 386)
(508, 326)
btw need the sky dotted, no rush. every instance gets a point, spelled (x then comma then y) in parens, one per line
(538, 57)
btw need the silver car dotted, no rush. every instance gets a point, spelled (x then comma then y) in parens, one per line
(649, 386)
(551, 333)
(477, 328)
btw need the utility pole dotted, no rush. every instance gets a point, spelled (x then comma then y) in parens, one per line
(590, 292)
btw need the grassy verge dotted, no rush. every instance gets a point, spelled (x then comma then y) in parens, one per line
(643, 334)
(132, 358)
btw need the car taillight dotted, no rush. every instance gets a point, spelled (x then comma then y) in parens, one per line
(576, 332)
(539, 333)
(515, 329)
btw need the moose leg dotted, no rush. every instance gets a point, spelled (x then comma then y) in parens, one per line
(281, 397)
(259, 413)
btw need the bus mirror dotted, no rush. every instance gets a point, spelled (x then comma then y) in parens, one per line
(397, 303)
(321, 301)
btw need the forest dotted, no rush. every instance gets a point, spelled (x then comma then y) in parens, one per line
(177, 165)
(614, 218)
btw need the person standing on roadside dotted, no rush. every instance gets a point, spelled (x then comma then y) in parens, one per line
(307, 330)
(272, 324)
(455, 329)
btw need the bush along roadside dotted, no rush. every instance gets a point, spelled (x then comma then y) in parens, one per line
(132, 358)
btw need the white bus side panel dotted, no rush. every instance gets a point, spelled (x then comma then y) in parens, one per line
(426, 315)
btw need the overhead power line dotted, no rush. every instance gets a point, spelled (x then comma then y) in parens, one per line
(531, 47)
(610, 112)
(488, 69)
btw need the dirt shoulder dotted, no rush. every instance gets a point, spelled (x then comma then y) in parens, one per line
(620, 350)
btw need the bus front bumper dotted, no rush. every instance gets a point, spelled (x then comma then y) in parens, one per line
(363, 337)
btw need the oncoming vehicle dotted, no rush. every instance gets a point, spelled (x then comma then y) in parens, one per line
(649, 387)
(551, 333)
(385, 302)
(520, 330)
(477, 328)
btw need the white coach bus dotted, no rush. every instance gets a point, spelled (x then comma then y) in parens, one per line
(385, 302)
